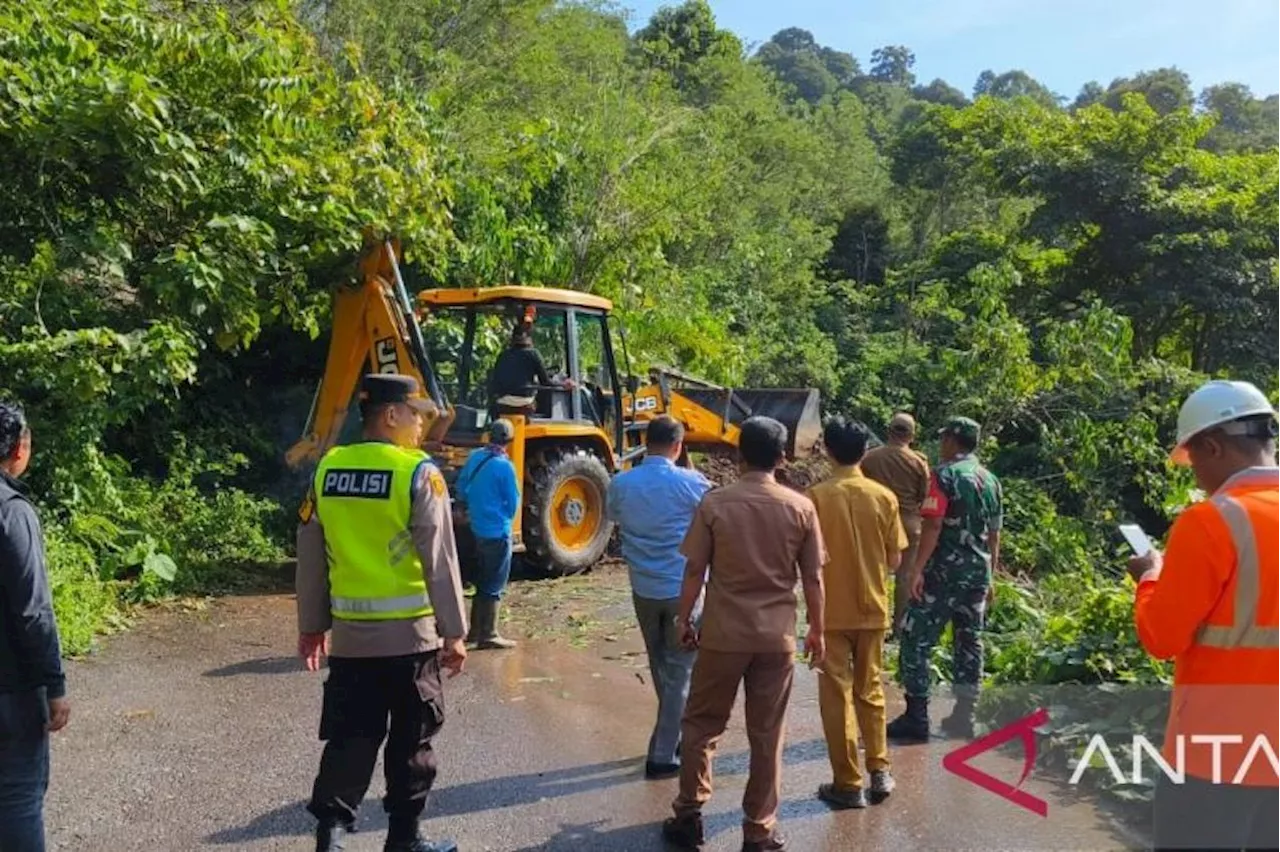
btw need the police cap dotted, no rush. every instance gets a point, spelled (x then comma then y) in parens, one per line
(391, 388)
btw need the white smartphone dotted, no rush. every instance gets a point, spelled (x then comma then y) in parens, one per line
(1137, 539)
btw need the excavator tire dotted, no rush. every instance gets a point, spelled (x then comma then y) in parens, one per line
(565, 528)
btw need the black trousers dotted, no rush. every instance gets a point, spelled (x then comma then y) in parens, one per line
(1202, 815)
(360, 696)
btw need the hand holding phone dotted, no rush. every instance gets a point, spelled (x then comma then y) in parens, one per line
(1136, 538)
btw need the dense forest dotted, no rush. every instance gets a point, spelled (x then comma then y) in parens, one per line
(182, 184)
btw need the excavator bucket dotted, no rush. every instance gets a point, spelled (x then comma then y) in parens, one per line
(796, 408)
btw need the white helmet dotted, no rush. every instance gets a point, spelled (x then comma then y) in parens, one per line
(1213, 404)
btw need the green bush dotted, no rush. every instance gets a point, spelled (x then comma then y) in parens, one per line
(84, 604)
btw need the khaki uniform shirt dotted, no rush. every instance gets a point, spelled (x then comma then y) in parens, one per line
(905, 472)
(862, 529)
(758, 537)
(431, 525)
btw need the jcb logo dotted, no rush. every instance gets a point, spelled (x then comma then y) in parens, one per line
(646, 403)
(385, 351)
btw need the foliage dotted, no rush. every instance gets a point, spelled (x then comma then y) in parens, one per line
(173, 183)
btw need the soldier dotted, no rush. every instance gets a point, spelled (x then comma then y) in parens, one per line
(959, 550)
(378, 564)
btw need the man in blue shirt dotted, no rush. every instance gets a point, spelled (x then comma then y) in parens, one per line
(33, 699)
(653, 505)
(487, 484)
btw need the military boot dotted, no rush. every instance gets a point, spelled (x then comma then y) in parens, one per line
(959, 724)
(913, 725)
(487, 637)
(329, 836)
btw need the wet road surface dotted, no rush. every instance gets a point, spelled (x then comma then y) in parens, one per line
(197, 730)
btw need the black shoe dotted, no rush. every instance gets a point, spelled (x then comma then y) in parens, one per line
(329, 836)
(882, 785)
(417, 844)
(658, 771)
(913, 725)
(842, 799)
(684, 831)
(774, 843)
(959, 724)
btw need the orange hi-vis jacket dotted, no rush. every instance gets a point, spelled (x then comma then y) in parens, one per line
(1213, 607)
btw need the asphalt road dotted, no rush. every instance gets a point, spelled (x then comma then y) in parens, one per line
(197, 730)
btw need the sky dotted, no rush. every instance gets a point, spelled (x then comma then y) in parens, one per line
(1061, 43)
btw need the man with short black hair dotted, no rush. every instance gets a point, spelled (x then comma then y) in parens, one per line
(865, 539)
(32, 685)
(653, 504)
(757, 537)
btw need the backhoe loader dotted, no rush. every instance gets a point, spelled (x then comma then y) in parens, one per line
(576, 435)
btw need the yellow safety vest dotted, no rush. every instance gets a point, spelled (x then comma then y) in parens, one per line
(364, 497)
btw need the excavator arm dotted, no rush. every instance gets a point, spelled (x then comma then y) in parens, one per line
(373, 331)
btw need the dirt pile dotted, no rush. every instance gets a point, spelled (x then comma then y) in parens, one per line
(799, 474)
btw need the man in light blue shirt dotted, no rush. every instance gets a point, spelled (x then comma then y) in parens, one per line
(653, 505)
(487, 484)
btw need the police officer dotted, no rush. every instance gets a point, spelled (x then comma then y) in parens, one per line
(959, 549)
(379, 591)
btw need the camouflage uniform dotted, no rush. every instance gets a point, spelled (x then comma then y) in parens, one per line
(956, 579)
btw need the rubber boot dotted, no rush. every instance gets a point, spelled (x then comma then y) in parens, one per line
(960, 723)
(487, 637)
(329, 837)
(913, 725)
(473, 632)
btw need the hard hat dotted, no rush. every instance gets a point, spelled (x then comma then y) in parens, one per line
(1213, 404)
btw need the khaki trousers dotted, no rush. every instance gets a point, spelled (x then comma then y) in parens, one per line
(900, 590)
(851, 699)
(767, 679)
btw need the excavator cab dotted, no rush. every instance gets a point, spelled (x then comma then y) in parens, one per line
(568, 442)
(467, 331)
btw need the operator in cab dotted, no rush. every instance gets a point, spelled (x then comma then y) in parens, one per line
(518, 373)
(1209, 602)
(379, 591)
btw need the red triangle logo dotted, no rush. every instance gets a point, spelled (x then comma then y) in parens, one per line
(957, 762)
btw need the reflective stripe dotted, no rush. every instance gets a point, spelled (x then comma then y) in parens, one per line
(367, 605)
(1244, 633)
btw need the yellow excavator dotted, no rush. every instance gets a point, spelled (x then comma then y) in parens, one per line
(574, 436)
